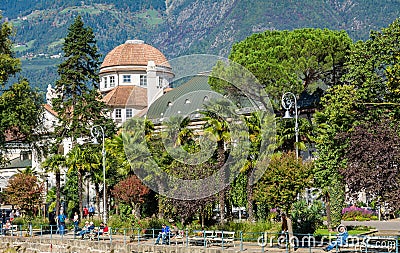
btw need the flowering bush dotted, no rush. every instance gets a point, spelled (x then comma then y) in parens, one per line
(357, 213)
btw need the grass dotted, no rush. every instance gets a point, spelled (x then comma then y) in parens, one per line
(83, 9)
(355, 231)
(151, 17)
(25, 47)
(39, 63)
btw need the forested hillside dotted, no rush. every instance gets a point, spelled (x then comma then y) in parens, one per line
(177, 27)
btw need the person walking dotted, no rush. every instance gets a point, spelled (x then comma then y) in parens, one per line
(61, 222)
(76, 222)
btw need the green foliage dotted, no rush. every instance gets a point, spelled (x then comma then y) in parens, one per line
(337, 115)
(9, 65)
(70, 193)
(245, 227)
(285, 178)
(306, 219)
(293, 60)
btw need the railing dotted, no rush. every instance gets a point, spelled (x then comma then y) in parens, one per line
(240, 241)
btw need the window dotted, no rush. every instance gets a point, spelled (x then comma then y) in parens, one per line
(118, 113)
(112, 81)
(160, 82)
(126, 78)
(143, 80)
(105, 82)
(129, 113)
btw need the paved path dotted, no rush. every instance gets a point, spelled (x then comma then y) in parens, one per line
(387, 227)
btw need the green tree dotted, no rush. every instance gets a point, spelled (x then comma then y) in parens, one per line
(78, 104)
(82, 160)
(297, 60)
(285, 178)
(217, 126)
(373, 70)
(9, 65)
(337, 115)
(20, 105)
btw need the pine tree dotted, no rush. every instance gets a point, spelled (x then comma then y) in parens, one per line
(79, 104)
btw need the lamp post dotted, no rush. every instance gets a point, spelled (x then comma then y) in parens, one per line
(288, 101)
(96, 131)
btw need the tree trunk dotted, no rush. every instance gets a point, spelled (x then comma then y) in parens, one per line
(87, 192)
(80, 192)
(58, 192)
(328, 211)
(249, 189)
(222, 207)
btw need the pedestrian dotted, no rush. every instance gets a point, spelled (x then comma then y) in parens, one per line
(12, 216)
(76, 221)
(85, 212)
(91, 211)
(61, 222)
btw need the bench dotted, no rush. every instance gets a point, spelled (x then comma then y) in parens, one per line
(223, 238)
(179, 237)
(13, 230)
(201, 237)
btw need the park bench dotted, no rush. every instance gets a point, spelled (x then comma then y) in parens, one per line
(223, 238)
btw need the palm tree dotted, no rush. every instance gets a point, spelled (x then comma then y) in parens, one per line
(53, 164)
(217, 126)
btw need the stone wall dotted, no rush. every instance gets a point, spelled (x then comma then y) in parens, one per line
(45, 245)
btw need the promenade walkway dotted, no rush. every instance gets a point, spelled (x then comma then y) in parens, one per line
(124, 242)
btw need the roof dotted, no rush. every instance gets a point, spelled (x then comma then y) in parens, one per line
(48, 108)
(134, 52)
(183, 94)
(127, 95)
(17, 163)
(189, 98)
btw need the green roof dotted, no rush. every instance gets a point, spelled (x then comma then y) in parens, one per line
(17, 163)
(182, 100)
(189, 98)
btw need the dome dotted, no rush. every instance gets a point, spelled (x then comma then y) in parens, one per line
(134, 52)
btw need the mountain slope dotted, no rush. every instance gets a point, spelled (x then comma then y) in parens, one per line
(178, 27)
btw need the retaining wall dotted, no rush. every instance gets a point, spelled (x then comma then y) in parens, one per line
(42, 245)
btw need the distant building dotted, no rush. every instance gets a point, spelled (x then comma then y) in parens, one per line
(133, 75)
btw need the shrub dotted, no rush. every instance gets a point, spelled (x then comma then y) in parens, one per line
(357, 213)
(305, 218)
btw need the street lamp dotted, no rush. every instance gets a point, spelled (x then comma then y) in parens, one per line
(288, 101)
(96, 131)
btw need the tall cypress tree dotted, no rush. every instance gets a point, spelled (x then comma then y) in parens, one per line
(78, 104)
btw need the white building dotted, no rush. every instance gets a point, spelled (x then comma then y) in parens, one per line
(133, 75)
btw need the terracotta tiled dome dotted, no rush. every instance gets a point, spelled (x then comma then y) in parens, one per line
(134, 52)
